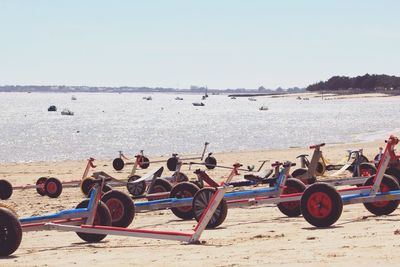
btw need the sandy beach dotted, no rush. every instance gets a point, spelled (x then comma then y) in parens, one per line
(249, 236)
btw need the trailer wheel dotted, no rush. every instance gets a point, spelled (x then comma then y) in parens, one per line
(210, 162)
(394, 172)
(106, 188)
(321, 205)
(361, 159)
(118, 164)
(136, 189)
(183, 190)
(383, 207)
(321, 168)
(292, 208)
(86, 184)
(10, 232)
(198, 183)
(160, 185)
(144, 162)
(171, 163)
(300, 172)
(181, 177)
(40, 186)
(121, 208)
(200, 202)
(366, 170)
(6, 189)
(103, 218)
(53, 187)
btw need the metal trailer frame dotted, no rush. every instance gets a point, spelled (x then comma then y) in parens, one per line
(311, 173)
(371, 193)
(139, 159)
(71, 221)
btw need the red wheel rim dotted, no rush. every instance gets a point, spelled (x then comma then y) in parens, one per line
(40, 186)
(380, 204)
(291, 205)
(157, 189)
(184, 194)
(116, 208)
(51, 187)
(365, 173)
(319, 205)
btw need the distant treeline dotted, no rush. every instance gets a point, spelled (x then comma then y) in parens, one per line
(362, 83)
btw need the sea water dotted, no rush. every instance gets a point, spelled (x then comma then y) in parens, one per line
(104, 123)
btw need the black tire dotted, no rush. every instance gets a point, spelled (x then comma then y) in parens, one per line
(321, 205)
(118, 164)
(40, 189)
(144, 162)
(161, 185)
(210, 162)
(198, 183)
(136, 189)
(394, 172)
(10, 232)
(183, 190)
(292, 208)
(366, 170)
(106, 188)
(320, 170)
(121, 208)
(53, 187)
(86, 185)
(200, 203)
(383, 207)
(361, 159)
(298, 172)
(182, 177)
(171, 163)
(6, 189)
(103, 218)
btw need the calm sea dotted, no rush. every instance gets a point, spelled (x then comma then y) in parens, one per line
(105, 123)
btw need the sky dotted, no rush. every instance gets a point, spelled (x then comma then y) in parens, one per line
(179, 43)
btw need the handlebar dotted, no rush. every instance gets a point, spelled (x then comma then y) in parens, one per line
(317, 145)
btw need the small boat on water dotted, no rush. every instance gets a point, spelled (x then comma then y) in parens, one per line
(52, 108)
(147, 98)
(232, 97)
(263, 107)
(198, 104)
(178, 98)
(252, 99)
(67, 112)
(73, 97)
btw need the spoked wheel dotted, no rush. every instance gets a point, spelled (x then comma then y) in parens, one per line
(86, 184)
(6, 189)
(210, 162)
(181, 177)
(103, 217)
(144, 162)
(53, 187)
(171, 163)
(160, 185)
(135, 189)
(10, 232)
(383, 207)
(292, 208)
(121, 208)
(118, 164)
(200, 202)
(321, 205)
(40, 186)
(183, 190)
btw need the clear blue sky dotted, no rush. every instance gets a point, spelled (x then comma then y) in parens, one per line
(221, 44)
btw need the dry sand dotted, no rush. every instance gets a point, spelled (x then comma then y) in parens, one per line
(257, 236)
